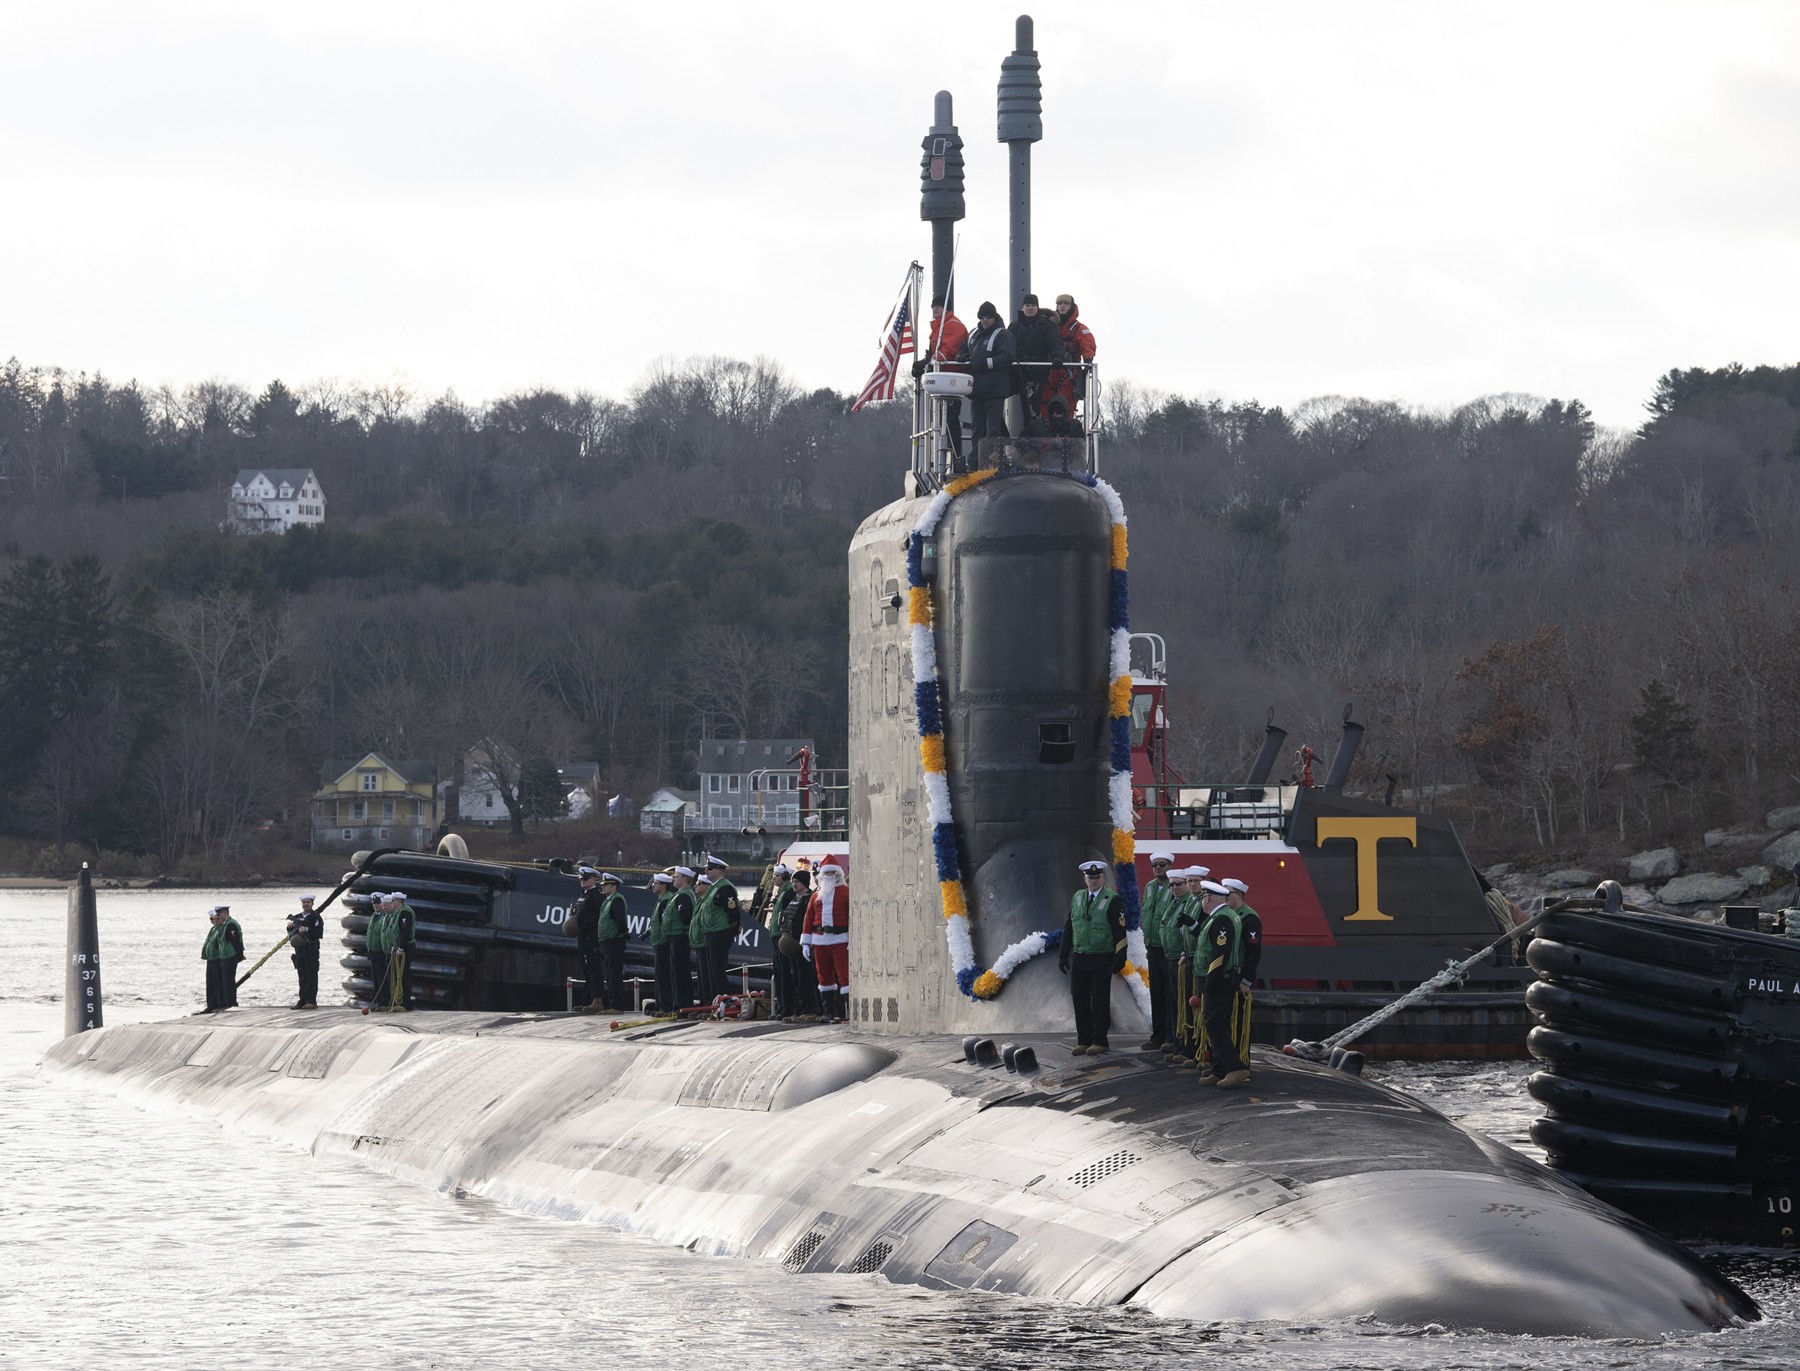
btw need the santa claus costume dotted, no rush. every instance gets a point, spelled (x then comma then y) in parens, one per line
(825, 941)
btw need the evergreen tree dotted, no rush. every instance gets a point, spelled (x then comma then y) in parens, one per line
(1663, 736)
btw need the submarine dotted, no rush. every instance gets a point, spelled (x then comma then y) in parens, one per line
(946, 1137)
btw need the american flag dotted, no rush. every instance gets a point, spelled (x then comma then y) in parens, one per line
(880, 385)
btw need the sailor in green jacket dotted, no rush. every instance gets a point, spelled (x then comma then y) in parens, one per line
(1159, 898)
(1221, 945)
(392, 938)
(602, 929)
(379, 940)
(222, 951)
(715, 925)
(1092, 953)
(662, 937)
(1179, 934)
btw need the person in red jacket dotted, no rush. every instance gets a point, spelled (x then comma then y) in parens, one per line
(1065, 383)
(948, 334)
(825, 941)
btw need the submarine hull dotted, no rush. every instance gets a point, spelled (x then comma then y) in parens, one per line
(1111, 1181)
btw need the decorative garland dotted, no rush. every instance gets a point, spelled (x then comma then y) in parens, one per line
(928, 707)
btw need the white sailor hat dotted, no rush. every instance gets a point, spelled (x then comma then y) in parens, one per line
(783, 869)
(662, 878)
(585, 871)
(397, 895)
(687, 871)
(719, 862)
(218, 909)
(1089, 868)
(606, 876)
(704, 880)
(1213, 888)
(1199, 871)
(1162, 857)
(1233, 883)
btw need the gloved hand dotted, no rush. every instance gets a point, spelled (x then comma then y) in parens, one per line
(918, 368)
(1062, 964)
(806, 952)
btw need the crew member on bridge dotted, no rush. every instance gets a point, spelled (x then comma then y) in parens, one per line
(1069, 381)
(948, 334)
(1038, 341)
(1091, 953)
(989, 354)
(222, 951)
(825, 942)
(1221, 944)
(662, 937)
(306, 930)
(1158, 903)
(679, 921)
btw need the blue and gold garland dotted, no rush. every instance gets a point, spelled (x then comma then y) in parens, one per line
(928, 707)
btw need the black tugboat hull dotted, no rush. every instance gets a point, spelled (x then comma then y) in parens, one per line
(1671, 1080)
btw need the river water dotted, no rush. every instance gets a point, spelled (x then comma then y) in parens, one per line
(139, 1238)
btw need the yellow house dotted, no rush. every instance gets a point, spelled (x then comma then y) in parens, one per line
(375, 803)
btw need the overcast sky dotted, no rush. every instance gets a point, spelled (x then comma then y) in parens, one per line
(1425, 202)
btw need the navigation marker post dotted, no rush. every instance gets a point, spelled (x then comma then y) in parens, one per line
(81, 988)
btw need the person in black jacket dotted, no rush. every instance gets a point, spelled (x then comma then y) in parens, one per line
(585, 911)
(306, 930)
(678, 916)
(800, 978)
(989, 355)
(1039, 344)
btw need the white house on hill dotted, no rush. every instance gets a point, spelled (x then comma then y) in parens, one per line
(274, 499)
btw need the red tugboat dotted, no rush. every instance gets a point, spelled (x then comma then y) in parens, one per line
(1360, 901)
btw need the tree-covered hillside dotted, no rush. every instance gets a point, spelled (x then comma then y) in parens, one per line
(1569, 636)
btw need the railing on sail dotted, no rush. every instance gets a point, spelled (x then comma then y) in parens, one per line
(1042, 440)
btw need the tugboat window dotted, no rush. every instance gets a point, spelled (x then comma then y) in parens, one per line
(1056, 743)
(1141, 703)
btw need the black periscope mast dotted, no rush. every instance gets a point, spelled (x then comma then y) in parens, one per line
(892, 1144)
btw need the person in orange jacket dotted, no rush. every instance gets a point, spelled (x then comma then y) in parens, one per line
(1078, 346)
(948, 334)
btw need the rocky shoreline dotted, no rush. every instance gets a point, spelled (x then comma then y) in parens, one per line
(1732, 867)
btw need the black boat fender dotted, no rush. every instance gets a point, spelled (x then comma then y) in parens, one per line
(1571, 1007)
(1556, 961)
(1575, 1144)
(1577, 1053)
(1668, 943)
(1647, 1110)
